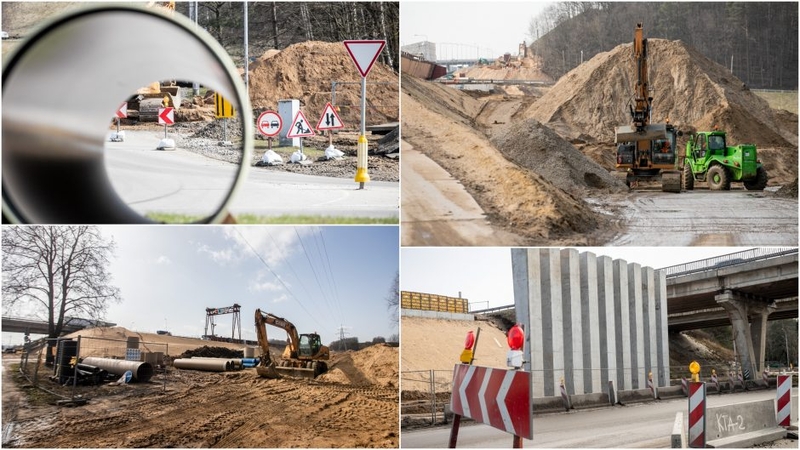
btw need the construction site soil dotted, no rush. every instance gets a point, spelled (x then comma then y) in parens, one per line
(354, 405)
(531, 156)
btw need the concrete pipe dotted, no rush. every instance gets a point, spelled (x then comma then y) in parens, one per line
(142, 371)
(210, 365)
(61, 90)
(236, 363)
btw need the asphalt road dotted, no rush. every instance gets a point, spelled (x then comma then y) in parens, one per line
(183, 182)
(642, 425)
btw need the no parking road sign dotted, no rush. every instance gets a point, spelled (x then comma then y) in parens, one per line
(496, 397)
(269, 123)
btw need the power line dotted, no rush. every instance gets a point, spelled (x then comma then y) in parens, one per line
(277, 277)
(314, 271)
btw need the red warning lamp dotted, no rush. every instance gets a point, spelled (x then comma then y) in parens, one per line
(516, 337)
(470, 340)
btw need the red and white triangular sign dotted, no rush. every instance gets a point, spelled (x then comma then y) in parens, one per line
(300, 127)
(122, 112)
(330, 119)
(364, 54)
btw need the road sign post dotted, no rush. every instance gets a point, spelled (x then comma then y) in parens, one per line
(364, 54)
(300, 128)
(166, 116)
(122, 112)
(224, 110)
(784, 401)
(697, 414)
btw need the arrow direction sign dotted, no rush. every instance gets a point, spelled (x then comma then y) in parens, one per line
(364, 54)
(122, 111)
(496, 397)
(300, 127)
(166, 116)
(330, 119)
(269, 123)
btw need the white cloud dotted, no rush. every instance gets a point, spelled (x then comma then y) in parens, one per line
(163, 259)
(223, 256)
(268, 286)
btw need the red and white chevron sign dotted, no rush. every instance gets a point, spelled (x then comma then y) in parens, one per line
(784, 405)
(497, 397)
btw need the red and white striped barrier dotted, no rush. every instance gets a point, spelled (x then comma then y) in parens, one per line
(565, 397)
(697, 414)
(784, 405)
(652, 386)
(684, 386)
(715, 380)
(765, 377)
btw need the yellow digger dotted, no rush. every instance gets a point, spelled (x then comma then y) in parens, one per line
(303, 357)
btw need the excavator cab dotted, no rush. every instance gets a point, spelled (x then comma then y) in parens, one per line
(309, 345)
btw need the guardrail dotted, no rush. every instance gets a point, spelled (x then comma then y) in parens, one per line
(731, 259)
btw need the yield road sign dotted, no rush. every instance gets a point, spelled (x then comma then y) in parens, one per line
(496, 397)
(330, 119)
(122, 111)
(269, 123)
(166, 116)
(364, 54)
(300, 127)
(223, 107)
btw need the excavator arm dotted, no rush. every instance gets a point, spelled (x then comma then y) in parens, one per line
(641, 129)
(266, 367)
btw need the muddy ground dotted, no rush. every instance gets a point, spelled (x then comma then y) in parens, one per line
(354, 405)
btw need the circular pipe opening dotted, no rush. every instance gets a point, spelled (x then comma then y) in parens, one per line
(61, 89)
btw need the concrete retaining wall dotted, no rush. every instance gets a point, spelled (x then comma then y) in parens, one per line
(590, 319)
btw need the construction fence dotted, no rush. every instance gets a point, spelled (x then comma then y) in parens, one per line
(433, 302)
(56, 363)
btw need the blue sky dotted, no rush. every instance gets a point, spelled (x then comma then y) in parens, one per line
(319, 278)
(483, 274)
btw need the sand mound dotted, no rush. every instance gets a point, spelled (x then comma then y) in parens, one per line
(789, 190)
(526, 69)
(305, 71)
(376, 365)
(538, 148)
(436, 344)
(688, 88)
(440, 122)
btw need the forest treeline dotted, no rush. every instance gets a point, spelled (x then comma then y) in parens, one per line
(759, 40)
(280, 24)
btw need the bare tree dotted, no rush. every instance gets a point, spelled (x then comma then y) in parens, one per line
(393, 299)
(57, 273)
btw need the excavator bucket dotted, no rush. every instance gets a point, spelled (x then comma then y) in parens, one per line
(267, 371)
(627, 133)
(296, 372)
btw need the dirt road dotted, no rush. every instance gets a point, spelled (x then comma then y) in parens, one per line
(438, 210)
(229, 410)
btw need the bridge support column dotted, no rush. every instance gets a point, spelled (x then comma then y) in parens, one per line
(739, 311)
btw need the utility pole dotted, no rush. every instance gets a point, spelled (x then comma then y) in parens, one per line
(342, 336)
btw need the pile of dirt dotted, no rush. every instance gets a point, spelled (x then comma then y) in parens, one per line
(436, 344)
(376, 365)
(688, 88)
(526, 69)
(212, 352)
(788, 190)
(305, 72)
(540, 149)
(440, 122)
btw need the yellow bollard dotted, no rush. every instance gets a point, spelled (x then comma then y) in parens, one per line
(361, 162)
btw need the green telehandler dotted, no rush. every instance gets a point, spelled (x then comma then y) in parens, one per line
(708, 158)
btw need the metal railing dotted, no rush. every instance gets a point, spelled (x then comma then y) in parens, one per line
(731, 259)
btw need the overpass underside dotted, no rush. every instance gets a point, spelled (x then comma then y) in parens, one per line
(746, 296)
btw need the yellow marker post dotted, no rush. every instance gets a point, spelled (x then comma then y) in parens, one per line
(694, 368)
(361, 158)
